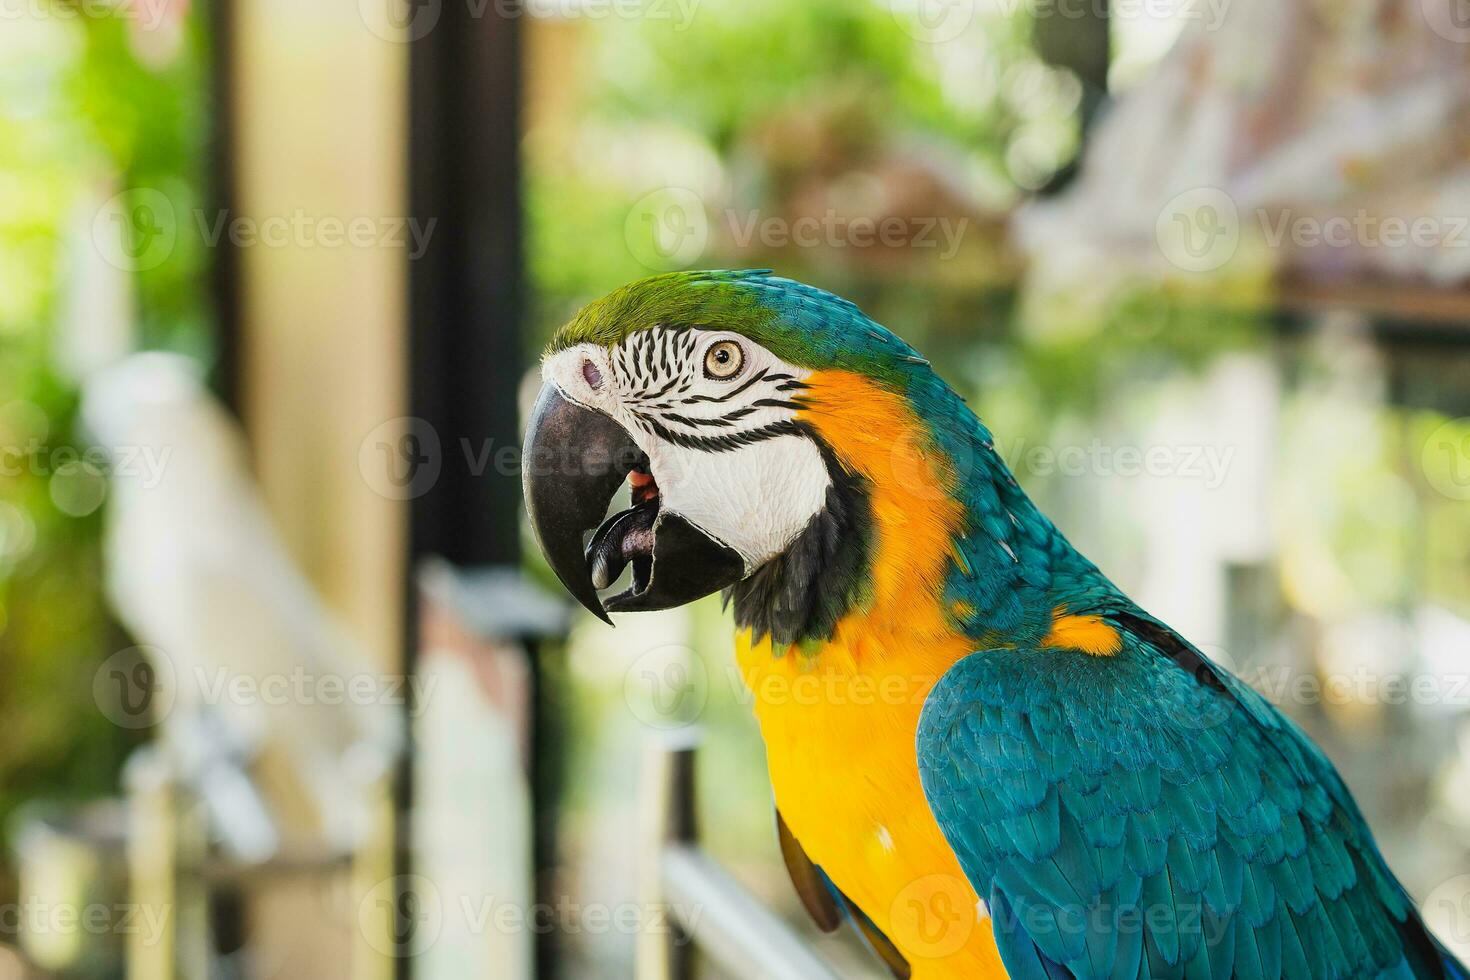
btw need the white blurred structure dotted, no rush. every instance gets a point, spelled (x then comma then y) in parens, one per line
(270, 709)
(1302, 138)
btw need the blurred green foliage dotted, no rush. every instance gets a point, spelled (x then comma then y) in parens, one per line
(93, 104)
(752, 97)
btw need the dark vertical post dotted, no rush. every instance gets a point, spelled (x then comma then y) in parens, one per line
(466, 301)
(466, 293)
(220, 190)
(1076, 37)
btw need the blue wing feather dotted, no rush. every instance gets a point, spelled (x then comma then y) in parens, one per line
(1129, 818)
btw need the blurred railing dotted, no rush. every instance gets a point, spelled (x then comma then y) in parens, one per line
(712, 912)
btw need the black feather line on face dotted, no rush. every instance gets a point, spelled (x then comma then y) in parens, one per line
(802, 594)
(661, 392)
(722, 443)
(717, 423)
(645, 352)
(733, 393)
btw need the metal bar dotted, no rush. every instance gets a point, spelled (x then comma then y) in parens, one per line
(713, 912)
(732, 927)
(667, 817)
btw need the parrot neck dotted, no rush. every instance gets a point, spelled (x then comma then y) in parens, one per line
(925, 534)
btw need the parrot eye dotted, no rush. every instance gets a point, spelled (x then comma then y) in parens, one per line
(724, 360)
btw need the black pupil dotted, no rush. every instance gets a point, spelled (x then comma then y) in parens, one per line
(723, 356)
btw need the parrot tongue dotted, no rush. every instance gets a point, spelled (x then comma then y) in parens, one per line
(627, 537)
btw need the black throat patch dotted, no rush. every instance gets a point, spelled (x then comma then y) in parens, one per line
(803, 593)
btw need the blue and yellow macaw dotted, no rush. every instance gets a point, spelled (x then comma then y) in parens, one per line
(983, 753)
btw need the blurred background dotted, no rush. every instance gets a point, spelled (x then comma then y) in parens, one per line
(283, 691)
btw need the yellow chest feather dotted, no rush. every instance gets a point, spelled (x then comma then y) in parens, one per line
(839, 722)
(839, 729)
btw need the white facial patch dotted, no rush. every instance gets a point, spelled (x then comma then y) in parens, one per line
(757, 499)
(725, 451)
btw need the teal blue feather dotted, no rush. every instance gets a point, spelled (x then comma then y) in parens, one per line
(1234, 867)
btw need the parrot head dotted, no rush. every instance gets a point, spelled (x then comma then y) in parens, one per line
(753, 417)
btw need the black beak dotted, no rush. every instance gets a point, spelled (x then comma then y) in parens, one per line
(575, 461)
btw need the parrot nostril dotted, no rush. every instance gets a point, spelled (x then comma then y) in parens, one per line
(593, 376)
